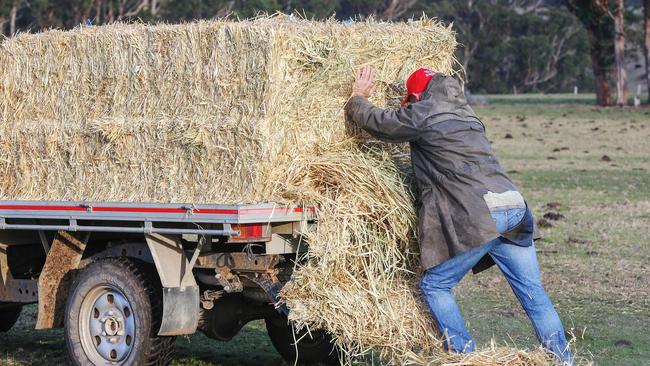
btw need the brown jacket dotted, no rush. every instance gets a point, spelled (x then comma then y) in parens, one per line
(454, 167)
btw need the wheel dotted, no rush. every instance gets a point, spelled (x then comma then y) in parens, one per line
(9, 316)
(113, 315)
(317, 348)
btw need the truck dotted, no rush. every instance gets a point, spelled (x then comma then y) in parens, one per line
(124, 279)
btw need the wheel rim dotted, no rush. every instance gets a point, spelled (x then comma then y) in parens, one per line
(107, 326)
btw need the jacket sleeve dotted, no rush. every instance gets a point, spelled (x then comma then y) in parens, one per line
(399, 125)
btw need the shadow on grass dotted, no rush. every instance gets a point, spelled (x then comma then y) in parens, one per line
(23, 346)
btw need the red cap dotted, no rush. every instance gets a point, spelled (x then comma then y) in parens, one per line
(417, 83)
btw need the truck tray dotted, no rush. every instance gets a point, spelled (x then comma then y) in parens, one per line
(106, 216)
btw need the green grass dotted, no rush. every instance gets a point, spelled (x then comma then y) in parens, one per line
(605, 332)
(595, 164)
(545, 99)
(595, 262)
(527, 99)
(251, 347)
(620, 185)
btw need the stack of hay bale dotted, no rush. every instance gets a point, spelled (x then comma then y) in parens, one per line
(238, 112)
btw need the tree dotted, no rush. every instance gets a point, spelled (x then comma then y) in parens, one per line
(471, 20)
(13, 14)
(188, 10)
(9, 17)
(381, 9)
(515, 45)
(396, 8)
(506, 45)
(619, 54)
(70, 13)
(595, 16)
(646, 43)
(3, 21)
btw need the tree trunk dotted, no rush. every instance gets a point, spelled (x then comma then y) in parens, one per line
(136, 9)
(601, 71)
(120, 10)
(594, 15)
(619, 52)
(395, 8)
(601, 79)
(12, 19)
(77, 17)
(98, 12)
(389, 13)
(646, 47)
(110, 17)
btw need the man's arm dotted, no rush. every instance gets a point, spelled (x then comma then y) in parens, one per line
(389, 125)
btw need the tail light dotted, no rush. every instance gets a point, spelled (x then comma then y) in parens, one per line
(250, 233)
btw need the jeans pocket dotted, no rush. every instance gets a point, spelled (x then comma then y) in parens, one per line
(514, 217)
(500, 220)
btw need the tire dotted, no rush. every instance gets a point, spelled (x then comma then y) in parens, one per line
(9, 316)
(317, 348)
(113, 315)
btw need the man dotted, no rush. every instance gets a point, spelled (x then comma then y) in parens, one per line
(471, 215)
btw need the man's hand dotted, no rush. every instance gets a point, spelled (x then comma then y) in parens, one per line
(363, 83)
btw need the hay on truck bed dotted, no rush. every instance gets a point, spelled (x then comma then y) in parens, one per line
(239, 112)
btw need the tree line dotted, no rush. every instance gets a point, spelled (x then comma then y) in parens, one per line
(508, 46)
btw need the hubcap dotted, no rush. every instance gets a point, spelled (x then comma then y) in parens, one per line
(107, 326)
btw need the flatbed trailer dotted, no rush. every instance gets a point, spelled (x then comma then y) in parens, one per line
(123, 279)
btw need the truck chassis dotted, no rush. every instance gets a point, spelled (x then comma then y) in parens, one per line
(124, 279)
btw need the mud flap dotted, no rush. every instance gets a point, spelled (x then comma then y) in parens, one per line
(181, 296)
(54, 282)
(180, 311)
(272, 288)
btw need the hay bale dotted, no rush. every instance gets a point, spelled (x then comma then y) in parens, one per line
(199, 101)
(233, 112)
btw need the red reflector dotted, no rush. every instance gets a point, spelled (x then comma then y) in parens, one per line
(248, 232)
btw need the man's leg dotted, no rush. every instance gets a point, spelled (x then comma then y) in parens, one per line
(436, 284)
(519, 265)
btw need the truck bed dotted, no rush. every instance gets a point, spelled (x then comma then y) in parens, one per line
(140, 217)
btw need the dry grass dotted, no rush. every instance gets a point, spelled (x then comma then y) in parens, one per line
(230, 112)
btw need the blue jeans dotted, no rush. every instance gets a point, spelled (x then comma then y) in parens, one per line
(519, 265)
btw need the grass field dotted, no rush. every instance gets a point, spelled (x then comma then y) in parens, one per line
(589, 165)
(592, 166)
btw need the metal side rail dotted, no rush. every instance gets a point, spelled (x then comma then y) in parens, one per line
(148, 228)
(147, 213)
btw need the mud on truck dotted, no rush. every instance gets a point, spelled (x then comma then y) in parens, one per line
(124, 279)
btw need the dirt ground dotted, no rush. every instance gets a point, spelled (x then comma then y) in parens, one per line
(585, 172)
